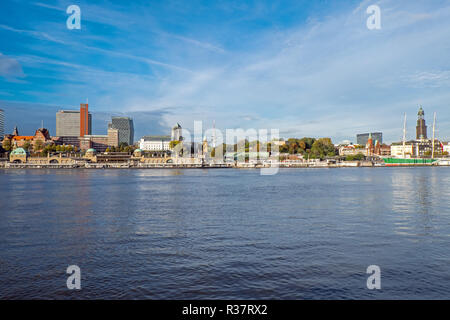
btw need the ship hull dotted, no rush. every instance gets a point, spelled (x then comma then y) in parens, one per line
(413, 162)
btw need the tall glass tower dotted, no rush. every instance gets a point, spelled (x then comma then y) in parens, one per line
(2, 123)
(125, 127)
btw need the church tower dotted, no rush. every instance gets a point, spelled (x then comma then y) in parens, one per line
(176, 133)
(421, 129)
(369, 146)
(16, 131)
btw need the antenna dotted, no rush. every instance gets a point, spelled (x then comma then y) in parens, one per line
(434, 130)
(42, 124)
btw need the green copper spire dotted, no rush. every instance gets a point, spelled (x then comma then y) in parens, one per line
(421, 112)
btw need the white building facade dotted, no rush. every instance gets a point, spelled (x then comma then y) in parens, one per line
(446, 147)
(397, 150)
(155, 143)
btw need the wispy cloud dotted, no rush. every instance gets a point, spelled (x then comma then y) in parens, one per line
(327, 75)
(35, 34)
(10, 68)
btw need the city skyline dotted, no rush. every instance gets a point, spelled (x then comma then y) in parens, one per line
(306, 68)
(410, 134)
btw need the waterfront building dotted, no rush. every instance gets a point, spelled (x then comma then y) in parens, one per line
(446, 148)
(20, 141)
(73, 123)
(424, 148)
(350, 150)
(397, 150)
(155, 143)
(18, 155)
(2, 124)
(177, 133)
(278, 142)
(385, 150)
(100, 142)
(421, 128)
(362, 138)
(68, 140)
(417, 149)
(41, 135)
(125, 127)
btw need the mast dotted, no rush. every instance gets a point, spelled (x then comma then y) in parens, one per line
(404, 136)
(214, 134)
(434, 130)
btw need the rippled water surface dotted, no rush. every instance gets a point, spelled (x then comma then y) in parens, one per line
(225, 233)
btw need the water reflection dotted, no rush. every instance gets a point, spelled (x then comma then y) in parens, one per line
(189, 234)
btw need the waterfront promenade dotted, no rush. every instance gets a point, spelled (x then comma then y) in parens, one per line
(318, 164)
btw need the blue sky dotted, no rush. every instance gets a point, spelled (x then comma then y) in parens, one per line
(308, 68)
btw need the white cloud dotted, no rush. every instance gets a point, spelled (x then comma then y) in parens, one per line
(328, 77)
(10, 68)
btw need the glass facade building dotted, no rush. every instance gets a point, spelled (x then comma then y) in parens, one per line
(125, 127)
(2, 123)
(362, 138)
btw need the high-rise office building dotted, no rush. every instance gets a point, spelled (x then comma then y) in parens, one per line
(84, 120)
(421, 128)
(68, 123)
(125, 127)
(2, 123)
(362, 139)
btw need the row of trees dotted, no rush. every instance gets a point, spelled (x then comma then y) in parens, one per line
(308, 147)
(123, 147)
(52, 148)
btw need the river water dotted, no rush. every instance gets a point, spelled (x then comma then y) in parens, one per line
(225, 233)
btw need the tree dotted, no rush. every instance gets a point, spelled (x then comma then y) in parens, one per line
(355, 157)
(27, 146)
(38, 145)
(322, 148)
(7, 144)
(173, 143)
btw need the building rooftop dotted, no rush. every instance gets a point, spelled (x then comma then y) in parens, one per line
(156, 138)
(23, 137)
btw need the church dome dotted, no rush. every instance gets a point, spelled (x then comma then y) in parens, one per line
(18, 151)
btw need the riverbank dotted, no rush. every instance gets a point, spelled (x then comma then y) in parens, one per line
(318, 165)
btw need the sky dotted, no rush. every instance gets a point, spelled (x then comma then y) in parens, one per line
(305, 67)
